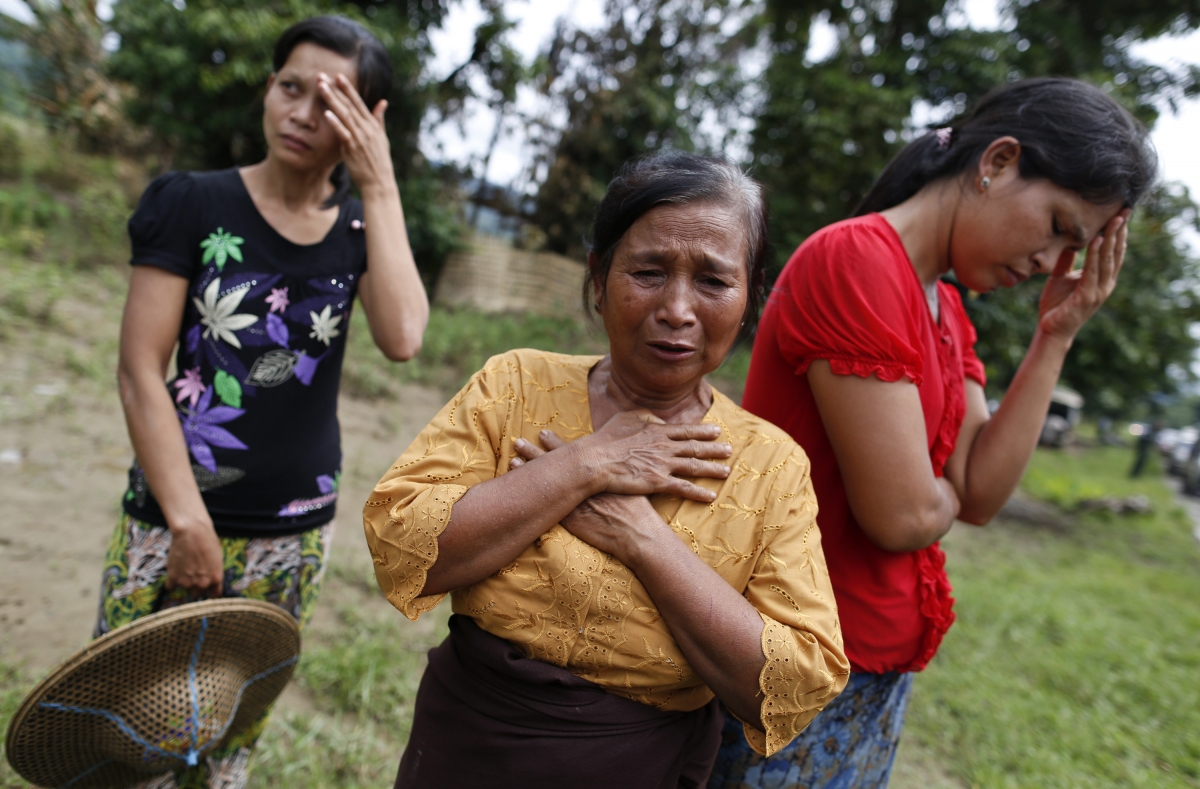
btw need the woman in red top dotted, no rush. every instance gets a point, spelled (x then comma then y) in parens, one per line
(866, 358)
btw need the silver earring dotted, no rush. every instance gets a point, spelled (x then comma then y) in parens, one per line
(985, 182)
(597, 306)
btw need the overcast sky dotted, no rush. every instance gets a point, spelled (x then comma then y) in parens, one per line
(1175, 135)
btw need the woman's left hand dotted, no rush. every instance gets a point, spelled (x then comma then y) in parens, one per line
(1071, 297)
(610, 522)
(366, 151)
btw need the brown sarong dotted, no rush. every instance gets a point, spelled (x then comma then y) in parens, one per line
(487, 716)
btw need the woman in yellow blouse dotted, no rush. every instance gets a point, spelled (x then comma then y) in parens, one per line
(621, 541)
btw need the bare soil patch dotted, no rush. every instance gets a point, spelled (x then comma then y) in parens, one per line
(62, 474)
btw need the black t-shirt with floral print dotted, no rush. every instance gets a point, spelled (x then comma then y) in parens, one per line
(260, 352)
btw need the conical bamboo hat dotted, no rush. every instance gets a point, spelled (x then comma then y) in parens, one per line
(154, 696)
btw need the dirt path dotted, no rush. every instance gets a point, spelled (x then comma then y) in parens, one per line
(63, 460)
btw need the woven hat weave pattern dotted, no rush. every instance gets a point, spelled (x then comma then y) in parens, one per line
(154, 696)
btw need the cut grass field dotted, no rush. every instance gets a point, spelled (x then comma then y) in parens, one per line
(1075, 660)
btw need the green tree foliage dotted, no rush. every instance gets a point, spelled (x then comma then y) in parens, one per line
(65, 72)
(650, 79)
(199, 69)
(827, 128)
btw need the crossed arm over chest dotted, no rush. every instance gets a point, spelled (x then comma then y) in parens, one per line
(649, 627)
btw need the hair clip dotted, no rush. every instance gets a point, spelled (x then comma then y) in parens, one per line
(943, 137)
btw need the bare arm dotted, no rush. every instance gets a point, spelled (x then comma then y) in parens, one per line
(496, 520)
(877, 430)
(991, 454)
(149, 328)
(391, 290)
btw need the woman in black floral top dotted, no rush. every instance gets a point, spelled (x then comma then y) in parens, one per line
(251, 273)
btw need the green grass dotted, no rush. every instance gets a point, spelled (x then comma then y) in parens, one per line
(13, 687)
(1076, 655)
(305, 751)
(372, 670)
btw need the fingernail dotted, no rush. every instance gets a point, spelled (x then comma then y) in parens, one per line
(520, 442)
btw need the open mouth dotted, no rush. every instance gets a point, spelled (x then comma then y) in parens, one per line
(671, 350)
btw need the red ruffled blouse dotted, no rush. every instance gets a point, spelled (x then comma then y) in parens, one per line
(850, 295)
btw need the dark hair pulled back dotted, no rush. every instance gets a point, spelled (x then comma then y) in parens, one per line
(679, 178)
(1071, 133)
(350, 40)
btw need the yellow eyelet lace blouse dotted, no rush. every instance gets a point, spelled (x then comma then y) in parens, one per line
(567, 603)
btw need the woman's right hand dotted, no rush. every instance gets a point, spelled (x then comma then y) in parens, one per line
(636, 453)
(195, 560)
(1071, 295)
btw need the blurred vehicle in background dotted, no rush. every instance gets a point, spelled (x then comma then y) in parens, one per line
(1166, 440)
(1066, 406)
(1191, 472)
(1182, 451)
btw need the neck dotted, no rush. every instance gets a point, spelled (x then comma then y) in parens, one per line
(297, 190)
(613, 393)
(925, 224)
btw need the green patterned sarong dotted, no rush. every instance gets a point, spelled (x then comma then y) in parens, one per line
(283, 570)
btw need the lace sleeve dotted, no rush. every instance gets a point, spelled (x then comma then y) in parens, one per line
(805, 666)
(411, 505)
(406, 547)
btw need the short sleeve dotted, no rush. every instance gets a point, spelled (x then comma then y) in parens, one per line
(411, 505)
(163, 231)
(806, 665)
(845, 297)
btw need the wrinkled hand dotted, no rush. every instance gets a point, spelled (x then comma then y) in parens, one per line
(366, 151)
(195, 561)
(637, 453)
(607, 521)
(1071, 297)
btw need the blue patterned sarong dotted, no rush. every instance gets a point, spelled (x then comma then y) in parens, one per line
(851, 744)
